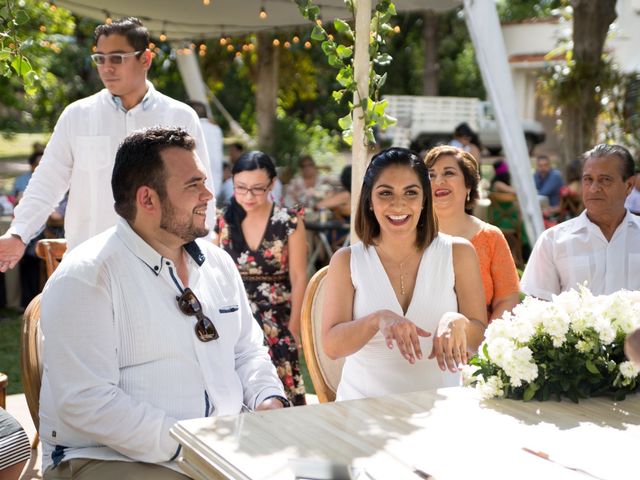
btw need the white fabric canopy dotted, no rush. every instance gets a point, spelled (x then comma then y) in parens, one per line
(193, 20)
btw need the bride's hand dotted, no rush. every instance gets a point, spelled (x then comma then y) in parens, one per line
(450, 342)
(404, 332)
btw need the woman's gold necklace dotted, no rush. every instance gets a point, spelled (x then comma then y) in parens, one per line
(402, 290)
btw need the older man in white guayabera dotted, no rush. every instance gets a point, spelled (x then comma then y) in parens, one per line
(601, 246)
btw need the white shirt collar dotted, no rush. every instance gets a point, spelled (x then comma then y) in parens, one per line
(146, 102)
(583, 222)
(146, 253)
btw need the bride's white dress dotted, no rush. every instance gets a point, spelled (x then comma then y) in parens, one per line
(375, 370)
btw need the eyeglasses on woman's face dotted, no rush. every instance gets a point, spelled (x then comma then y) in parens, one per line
(256, 191)
(190, 305)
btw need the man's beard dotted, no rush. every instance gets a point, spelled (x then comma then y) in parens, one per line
(184, 229)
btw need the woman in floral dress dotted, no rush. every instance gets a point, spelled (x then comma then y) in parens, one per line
(268, 244)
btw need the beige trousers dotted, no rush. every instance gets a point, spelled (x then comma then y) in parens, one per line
(83, 469)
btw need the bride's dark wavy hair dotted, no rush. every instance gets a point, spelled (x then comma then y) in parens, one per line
(367, 226)
(247, 162)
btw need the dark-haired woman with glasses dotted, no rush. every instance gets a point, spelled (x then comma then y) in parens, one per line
(268, 244)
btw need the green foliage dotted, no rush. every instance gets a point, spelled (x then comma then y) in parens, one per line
(340, 56)
(459, 74)
(10, 349)
(295, 137)
(516, 10)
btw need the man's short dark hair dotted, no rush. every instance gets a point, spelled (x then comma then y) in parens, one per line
(136, 34)
(199, 107)
(139, 163)
(627, 167)
(34, 157)
(238, 146)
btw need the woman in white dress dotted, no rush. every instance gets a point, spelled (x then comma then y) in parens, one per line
(405, 306)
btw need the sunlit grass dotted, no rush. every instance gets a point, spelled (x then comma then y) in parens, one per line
(20, 145)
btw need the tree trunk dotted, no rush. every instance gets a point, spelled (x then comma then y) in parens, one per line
(430, 32)
(266, 90)
(591, 20)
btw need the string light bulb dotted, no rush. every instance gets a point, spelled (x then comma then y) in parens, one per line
(52, 6)
(307, 44)
(296, 39)
(223, 41)
(287, 44)
(108, 20)
(229, 48)
(163, 37)
(206, 2)
(276, 42)
(263, 13)
(396, 29)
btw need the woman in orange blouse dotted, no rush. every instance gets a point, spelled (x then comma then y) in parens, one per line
(454, 187)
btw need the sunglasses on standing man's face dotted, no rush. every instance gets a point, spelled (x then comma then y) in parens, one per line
(114, 58)
(190, 305)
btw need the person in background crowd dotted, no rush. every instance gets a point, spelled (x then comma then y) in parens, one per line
(501, 181)
(401, 288)
(602, 245)
(340, 201)
(236, 150)
(548, 180)
(213, 137)
(454, 188)
(29, 264)
(268, 244)
(308, 187)
(80, 155)
(466, 139)
(632, 203)
(146, 324)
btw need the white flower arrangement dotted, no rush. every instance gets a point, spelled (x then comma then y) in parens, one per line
(571, 346)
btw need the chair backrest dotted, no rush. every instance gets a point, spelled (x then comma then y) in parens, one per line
(51, 251)
(30, 361)
(325, 373)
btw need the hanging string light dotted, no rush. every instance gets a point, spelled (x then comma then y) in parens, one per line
(276, 42)
(163, 35)
(307, 44)
(396, 29)
(107, 18)
(287, 44)
(206, 2)
(263, 11)
(296, 39)
(52, 6)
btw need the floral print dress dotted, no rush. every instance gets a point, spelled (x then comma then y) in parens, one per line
(265, 273)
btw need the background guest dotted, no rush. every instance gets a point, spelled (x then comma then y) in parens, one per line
(501, 181)
(308, 186)
(548, 180)
(465, 138)
(213, 138)
(602, 245)
(268, 244)
(454, 187)
(401, 287)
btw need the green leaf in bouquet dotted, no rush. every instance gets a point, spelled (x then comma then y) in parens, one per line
(530, 391)
(592, 367)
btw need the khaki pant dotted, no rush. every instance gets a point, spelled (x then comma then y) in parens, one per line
(83, 469)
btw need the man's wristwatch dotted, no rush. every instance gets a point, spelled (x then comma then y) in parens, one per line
(285, 403)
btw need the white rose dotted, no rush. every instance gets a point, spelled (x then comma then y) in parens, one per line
(492, 387)
(628, 370)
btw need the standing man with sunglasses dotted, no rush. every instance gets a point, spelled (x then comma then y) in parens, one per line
(145, 325)
(80, 154)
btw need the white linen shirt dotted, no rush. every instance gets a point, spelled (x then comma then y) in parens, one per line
(122, 364)
(80, 158)
(576, 251)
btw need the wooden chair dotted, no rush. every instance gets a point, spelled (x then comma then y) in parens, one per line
(51, 251)
(325, 373)
(504, 213)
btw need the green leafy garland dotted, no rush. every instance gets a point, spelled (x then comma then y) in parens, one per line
(340, 56)
(12, 60)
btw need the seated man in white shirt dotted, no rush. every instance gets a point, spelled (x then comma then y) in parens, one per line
(146, 324)
(602, 245)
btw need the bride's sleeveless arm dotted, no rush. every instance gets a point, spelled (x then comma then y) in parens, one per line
(343, 335)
